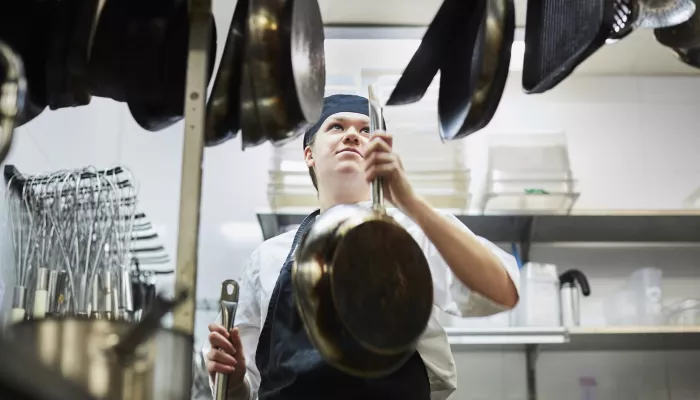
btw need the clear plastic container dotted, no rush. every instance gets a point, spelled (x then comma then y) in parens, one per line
(639, 302)
(645, 284)
(528, 173)
(684, 313)
(539, 300)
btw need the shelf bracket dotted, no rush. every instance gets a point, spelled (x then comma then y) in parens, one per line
(526, 239)
(531, 353)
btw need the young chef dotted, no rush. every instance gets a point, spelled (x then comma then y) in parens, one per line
(268, 354)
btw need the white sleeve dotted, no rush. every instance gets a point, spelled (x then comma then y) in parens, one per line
(247, 321)
(451, 295)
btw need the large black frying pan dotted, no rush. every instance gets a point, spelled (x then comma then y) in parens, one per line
(490, 66)
(459, 71)
(71, 26)
(139, 56)
(286, 64)
(428, 59)
(560, 35)
(224, 106)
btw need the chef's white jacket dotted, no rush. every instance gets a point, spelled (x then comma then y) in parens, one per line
(451, 295)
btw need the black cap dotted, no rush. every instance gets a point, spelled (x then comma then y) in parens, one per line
(335, 104)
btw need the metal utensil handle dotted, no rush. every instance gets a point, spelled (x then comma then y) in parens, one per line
(229, 304)
(376, 119)
(147, 327)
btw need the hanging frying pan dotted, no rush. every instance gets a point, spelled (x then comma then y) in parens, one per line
(492, 49)
(560, 35)
(71, 28)
(13, 87)
(223, 108)
(426, 61)
(458, 76)
(285, 56)
(155, 98)
(30, 44)
(139, 56)
(683, 36)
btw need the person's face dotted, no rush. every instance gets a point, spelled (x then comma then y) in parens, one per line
(339, 145)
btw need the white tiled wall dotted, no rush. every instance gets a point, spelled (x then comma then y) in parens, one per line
(633, 144)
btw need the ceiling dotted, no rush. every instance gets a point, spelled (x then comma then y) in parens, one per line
(638, 54)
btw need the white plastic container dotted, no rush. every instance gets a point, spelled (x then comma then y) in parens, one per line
(539, 300)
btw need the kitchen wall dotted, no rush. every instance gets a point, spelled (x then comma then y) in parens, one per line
(633, 145)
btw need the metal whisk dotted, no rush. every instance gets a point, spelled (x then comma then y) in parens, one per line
(71, 234)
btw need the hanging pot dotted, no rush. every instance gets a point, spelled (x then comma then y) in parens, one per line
(362, 285)
(113, 359)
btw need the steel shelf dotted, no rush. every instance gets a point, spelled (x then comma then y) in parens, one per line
(633, 226)
(578, 339)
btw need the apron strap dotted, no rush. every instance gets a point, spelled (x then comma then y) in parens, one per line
(305, 224)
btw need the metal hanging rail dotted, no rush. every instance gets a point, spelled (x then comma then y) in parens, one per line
(192, 155)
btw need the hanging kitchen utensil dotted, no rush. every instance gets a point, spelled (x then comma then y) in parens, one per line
(626, 16)
(286, 63)
(490, 63)
(113, 359)
(30, 45)
(559, 36)
(458, 76)
(682, 36)
(13, 87)
(664, 13)
(362, 285)
(224, 106)
(139, 56)
(228, 303)
(427, 60)
(570, 298)
(71, 26)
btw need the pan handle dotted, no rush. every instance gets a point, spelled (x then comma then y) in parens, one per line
(376, 119)
(13, 87)
(229, 304)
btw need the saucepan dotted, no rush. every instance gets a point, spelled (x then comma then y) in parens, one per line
(362, 284)
(113, 359)
(13, 86)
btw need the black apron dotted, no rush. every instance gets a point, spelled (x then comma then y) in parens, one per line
(291, 368)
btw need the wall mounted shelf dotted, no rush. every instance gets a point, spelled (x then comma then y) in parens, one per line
(634, 226)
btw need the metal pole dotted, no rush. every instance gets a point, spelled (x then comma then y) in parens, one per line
(192, 154)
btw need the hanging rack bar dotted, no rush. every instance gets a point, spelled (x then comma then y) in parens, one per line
(192, 154)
